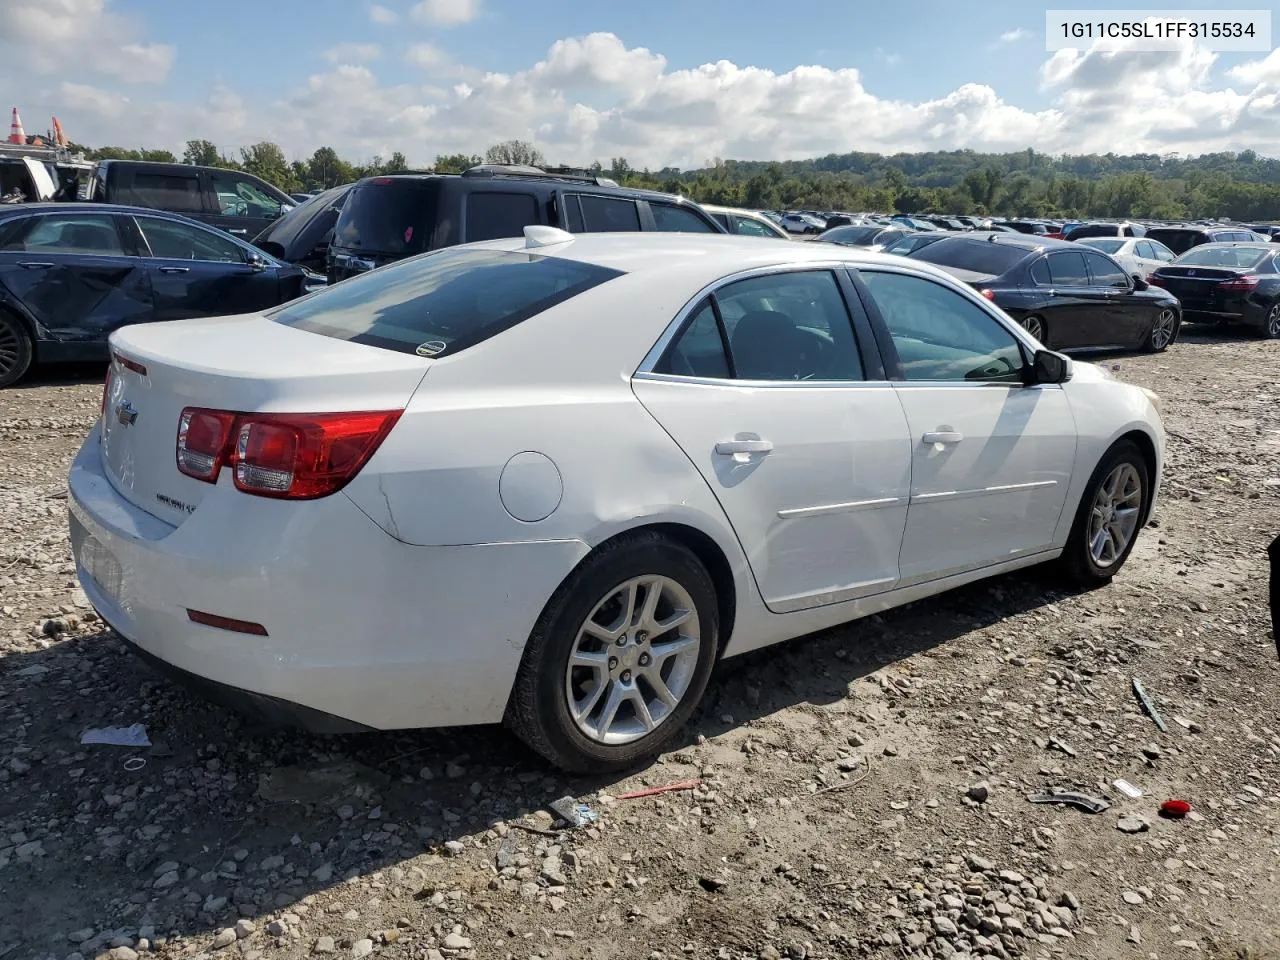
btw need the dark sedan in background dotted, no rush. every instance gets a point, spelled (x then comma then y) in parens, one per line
(860, 235)
(1223, 283)
(302, 235)
(1067, 296)
(70, 273)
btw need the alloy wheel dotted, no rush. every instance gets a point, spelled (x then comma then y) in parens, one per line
(1035, 327)
(1114, 517)
(1163, 330)
(1273, 322)
(633, 661)
(10, 347)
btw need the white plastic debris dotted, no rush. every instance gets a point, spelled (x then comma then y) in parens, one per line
(1128, 789)
(132, 736)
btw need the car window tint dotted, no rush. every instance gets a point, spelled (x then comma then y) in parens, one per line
(86, 234)
(606, 214)
(1068, 270)
(444, 302)
(166, 192)
(1162, 252)
(789, 326)
(699, 350)
(1105, 272)
(1142, 249)
(980, 256)
(941, 335)
(747, 227)
(670, 218)
(491, 216)
(240, 197)
(720, 218)
(181, 241)
(1040, 273)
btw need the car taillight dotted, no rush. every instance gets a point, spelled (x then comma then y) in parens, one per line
(987, 292)
(295, 456)
(1246, 282)
(1153, 281)
(106, 391)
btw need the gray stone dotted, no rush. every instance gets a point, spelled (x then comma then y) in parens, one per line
(944, 926)
(980, 864)
(325, 945)
(1133, 898)
(80, 936)
(1152, 751)
(323, 873)
(454, 848)
(271, 863)
(167, 880)
(277, 928)
(224, 938)
(456, 941)
(1133, 823)
(978, 792)
(245, 928)
(362, 948)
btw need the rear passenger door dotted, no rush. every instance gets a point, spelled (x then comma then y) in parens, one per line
(1126, 318)
(1076, 310)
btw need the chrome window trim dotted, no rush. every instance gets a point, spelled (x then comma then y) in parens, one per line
(244, 248)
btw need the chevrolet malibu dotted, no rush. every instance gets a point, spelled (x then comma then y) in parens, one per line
(552, 480)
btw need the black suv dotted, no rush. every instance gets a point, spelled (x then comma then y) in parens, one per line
(1182, 239)
(238, 203)
(389, 218)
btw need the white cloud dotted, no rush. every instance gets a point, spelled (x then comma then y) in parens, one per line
(353, 53)
(445, 13)
(54, 36)
(1014, 35)
(382, 15)
(426, 55)
(1264, 71)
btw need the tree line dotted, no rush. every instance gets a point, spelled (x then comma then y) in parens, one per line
(1241, 186)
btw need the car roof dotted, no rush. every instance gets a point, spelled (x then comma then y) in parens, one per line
(1028, 241)
(536, 182)
(50, 206)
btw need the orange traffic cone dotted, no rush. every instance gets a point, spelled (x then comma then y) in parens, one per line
(16, 133)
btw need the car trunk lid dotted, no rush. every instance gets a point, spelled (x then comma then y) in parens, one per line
(244, 364)
(1197, 288)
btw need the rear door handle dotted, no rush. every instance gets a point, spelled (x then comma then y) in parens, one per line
(34, 265)
(239, 233)
(731, 447)
(175, 269)
(943, 436)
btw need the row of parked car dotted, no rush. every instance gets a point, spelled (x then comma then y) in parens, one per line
(171, 241)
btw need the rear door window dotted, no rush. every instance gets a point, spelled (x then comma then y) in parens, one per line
(165, 191)
(1104, 272)
(84, 234)
(442, 304)
(240, 196)
(1068, 270)
(699, 351)
(491, 216)
(669, 218)
(608, 214)
(170, 240)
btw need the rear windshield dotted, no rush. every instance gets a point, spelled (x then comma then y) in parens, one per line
(1105, 244)
(1179, 241)
(980, 256)
(440, 304)
(1093, 230)
(858, 236)
(1212, 255)
(391, 215)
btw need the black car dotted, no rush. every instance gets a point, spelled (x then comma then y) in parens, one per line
(1065, 295)
(1031, 227)
(302, 235)
(236, 202)
(388, 218)
(1125, 229)
(860, 236)
(70, 273)
(1227, 283)
(911, 241)
(1182, 239)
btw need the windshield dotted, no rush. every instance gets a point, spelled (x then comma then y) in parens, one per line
(858, 236)
(391, 215)
(444, 302)
(1105, 244)
(1179, 241)
(1234, 257)
(979, 256)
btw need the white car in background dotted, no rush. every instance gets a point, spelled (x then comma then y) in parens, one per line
(552, 480)
(745, 223)
(1139, 256)
(802, 223)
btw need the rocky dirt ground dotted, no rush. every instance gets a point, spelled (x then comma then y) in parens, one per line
(863, 792)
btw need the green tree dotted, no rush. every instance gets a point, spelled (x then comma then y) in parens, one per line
(455, 162)
(515, 152)
(203, 153)
(266, 160)
(397, 164)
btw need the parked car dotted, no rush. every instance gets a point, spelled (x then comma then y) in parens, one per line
(803, 223)
(389, 218)
(747, 223)
(302, 235)
(1269, 230)
(1064, 294)
(71, 273)
(906, 242)
(1227, 283)
(913, 223)
(483, 563)
(1033, 227)
(1138, 255)
(860, 236)
(1183, 238)
(1125, 229)
(237, 202)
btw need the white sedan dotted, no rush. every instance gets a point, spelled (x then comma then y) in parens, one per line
(552, 480)
(1139, 256)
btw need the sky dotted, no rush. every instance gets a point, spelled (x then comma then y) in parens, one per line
(661, 83)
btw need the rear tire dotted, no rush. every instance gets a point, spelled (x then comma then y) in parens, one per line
(1103, 533)
(1036, 326)
(1270, 329)
(1164, 331)
(16, 349)
(639, 611)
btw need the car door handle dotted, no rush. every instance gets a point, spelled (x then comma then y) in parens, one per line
(34, 265)
(175, 269)
(239, 233)
(731, 447)
(943, 436)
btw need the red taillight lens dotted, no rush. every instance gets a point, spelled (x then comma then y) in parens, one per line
(106, 391)
(1244, 282)
(296, 456)
(1154, 281)
(987, 292)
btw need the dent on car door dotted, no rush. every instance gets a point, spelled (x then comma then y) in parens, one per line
(991, 458)
(766, 392)
(198, 272)
(73, 275)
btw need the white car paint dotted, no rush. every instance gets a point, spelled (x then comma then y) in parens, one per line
(406, 599)
(1130, 253)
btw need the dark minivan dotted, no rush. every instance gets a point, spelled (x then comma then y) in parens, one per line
(389, 218)
(236, 202)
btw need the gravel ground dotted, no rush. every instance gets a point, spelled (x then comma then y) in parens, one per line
(863, 791)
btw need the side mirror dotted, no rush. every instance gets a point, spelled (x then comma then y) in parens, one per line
(1049, 367)
(1140, 284)
(257, 263)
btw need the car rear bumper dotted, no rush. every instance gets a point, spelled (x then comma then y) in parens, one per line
(362, 631)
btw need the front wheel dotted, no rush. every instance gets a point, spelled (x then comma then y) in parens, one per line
(1163, 332)
(16, 349)
(619, 658)
(1109, 516)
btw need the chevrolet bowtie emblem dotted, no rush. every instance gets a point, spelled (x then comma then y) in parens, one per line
(126, 414)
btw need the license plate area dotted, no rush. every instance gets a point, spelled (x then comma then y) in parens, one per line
(98, 562)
